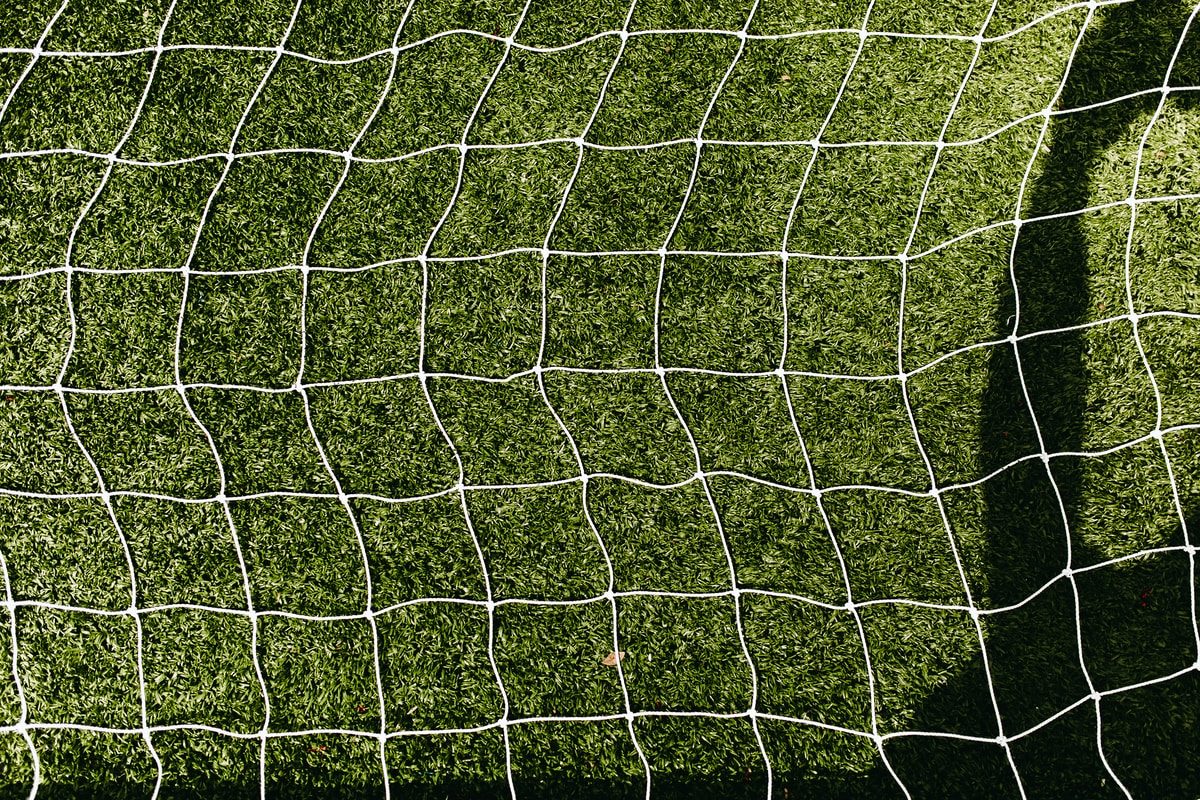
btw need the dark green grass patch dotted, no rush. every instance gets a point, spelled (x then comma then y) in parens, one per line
(724, 749)
(319, 674)
(84, 103)
(1163, 263)
(1119, 394)
(419, 549)
(503, 431)
(544, 95)
(182, 552)
(1122, 502)
(667, 14)
(963, 17)
(1128, 639)
(662, 87)
(923, 648)
(901, 89)
(199, 669)
(65, 552)
(721, 313)
(781, 89)
(385, 211)
(775, 17)
(262, 440)
(944, 310)
(532, 567)
(557, 23)
(1014, 76)
(947, 401)
(551, 659)
(625, 199)
(145, 441)
(69, 760)
(836, 411)
(435, 89)
(789, 660)
(21, 26)
(1012, 519)
(195, 761)
(381, 438)
(484, 317)
(85, 25)
(588, 759)
(623, 424)
(660, 539)
(316, 766)
(1034, 658)
(302, 555)
(436, 672)
(42, 198)
(195, 103)
(600, 311)
(363, 324)
(778, 540)
(742, 198)
(895, 547)
(431, 17)
(1171, 345)
(125, 326)
(683, 654)
(146, 217)
(507, 200)
(426, 766)
(36, 330)
(342, 29)
(247, 23)
(309, 104)
(242, 329)
(860, 201)
(78, 667)
(37, 452)
(741, 425)
(844, 316)
(265, 211)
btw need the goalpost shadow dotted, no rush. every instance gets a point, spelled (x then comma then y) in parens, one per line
(1136, 615)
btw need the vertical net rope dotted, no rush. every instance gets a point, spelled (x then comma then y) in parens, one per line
(429, 262)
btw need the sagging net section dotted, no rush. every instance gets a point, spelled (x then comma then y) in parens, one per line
(751, 398)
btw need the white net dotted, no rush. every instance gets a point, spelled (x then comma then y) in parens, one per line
(874, 238)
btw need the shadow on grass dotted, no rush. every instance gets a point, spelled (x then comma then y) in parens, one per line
(1135, 617)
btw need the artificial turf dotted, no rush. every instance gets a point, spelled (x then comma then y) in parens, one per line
(404, 354)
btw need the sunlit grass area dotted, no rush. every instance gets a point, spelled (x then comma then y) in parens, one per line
(776, 398)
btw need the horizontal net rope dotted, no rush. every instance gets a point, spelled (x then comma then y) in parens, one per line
(334, 494)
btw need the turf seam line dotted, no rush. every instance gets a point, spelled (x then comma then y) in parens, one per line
(585, 499)
(177, 357)
(462, 495)
(70, 424)
(860, 629)
(343, 500)
(737, 600)
(912, 417)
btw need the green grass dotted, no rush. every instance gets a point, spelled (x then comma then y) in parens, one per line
(456, 376)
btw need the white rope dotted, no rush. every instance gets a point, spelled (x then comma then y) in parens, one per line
(461, 489)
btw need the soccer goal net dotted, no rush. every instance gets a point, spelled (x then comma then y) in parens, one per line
(758, 398)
